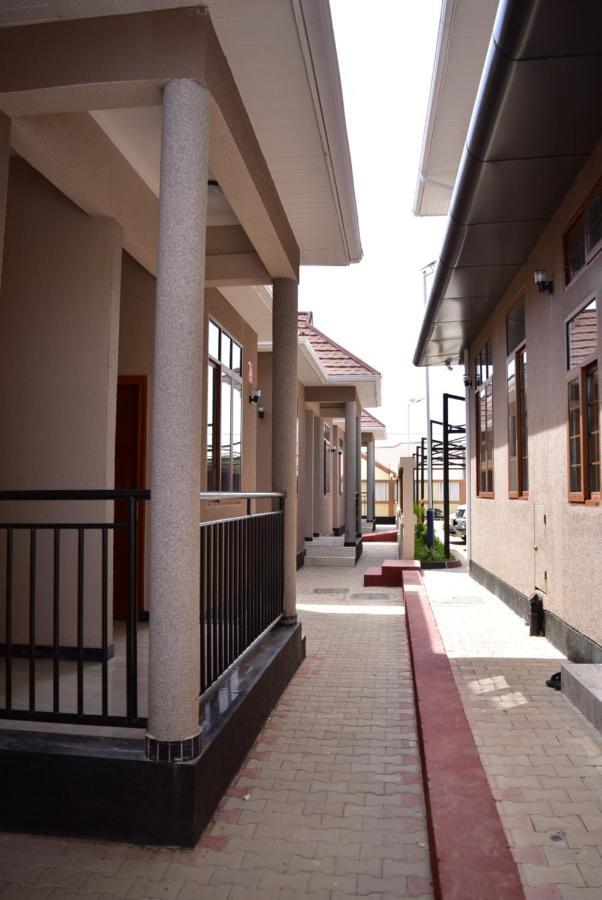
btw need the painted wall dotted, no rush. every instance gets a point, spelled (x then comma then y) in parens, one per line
(59, 321)
(503, 531)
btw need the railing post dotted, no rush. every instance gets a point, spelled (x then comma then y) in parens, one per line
(132, 613)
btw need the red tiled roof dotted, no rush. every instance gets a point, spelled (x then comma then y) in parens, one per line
(369, 421)
(334, 358)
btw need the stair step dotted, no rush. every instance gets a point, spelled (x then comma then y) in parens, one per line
(316, 550)
(312, 561)
(582, 684)
(401, 565)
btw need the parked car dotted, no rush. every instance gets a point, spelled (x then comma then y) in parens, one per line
(458, 523)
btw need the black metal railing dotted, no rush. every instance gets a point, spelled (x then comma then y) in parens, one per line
(241, 580)
(65, 660)
(68, 570)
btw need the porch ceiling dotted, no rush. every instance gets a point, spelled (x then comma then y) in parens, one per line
(283, 58)
(532, 129)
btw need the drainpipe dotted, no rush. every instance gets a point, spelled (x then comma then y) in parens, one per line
(468, 463)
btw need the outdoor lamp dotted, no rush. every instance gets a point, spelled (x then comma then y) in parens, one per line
(543, 285)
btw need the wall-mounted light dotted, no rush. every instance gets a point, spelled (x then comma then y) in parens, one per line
(543, 285)
(255, 397)
(467, 381)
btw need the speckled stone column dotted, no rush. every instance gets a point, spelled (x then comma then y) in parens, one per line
(284, 428)
(318, 475)
(370, 474)
(4, 161)
(350, 471)
(173, 729)
(358, 472)
(308, 482)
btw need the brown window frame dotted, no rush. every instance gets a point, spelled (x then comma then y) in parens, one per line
(484, 388)
(580, 373)
(522, 433)
(221, 370)
(580, 219)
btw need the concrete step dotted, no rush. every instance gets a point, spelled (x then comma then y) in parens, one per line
(316, 550)
(348, 561)
(391, 573)
(582, 685)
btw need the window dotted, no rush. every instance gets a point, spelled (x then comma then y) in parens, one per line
(327, 463)
(381, 492)
(484, 418)
(583, 238)
(341, 465)
(224, 412)
(518, 470)
(583, 406)
(516, 379)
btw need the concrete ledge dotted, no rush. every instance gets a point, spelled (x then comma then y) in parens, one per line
(470, 857)
(574, 644)
(582, 685)
(106, 788)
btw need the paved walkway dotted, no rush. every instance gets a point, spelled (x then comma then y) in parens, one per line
(329, 803)
(542, 757)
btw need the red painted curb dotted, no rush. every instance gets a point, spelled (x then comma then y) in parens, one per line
(379, 537)
(470, 857)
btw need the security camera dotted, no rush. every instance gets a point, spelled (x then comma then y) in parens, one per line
(467, 381)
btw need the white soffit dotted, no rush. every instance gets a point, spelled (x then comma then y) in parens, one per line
(283, 57)
(254, 305)
(465, 29)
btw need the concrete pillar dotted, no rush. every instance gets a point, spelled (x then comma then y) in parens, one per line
(358, 473)
(308, 481)
(284, 421)
(318, 475)
(4, 163)
(173, 731)
(350, 471)
(370, 477)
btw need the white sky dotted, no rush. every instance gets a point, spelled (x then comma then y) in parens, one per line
(386, 52)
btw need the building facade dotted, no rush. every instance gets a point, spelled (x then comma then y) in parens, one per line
(152, 224)
(516, 298)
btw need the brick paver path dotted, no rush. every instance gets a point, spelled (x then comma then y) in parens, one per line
(329, 803)
(542, 757)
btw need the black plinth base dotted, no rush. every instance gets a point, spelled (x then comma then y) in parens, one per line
(106, 787)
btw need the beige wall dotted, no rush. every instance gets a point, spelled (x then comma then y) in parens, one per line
(59, 321)
(503, 530)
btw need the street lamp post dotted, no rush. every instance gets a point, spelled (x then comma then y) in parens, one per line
(411, 402)
(430, 529)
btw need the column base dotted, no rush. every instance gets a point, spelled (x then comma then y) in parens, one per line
(288, 621)
(172, 751)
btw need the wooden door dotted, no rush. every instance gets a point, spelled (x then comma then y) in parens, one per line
(130, 474)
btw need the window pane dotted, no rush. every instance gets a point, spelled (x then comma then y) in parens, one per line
(236, 436)
(226, 447)
(512, 433)
(593, 431)
(516, 325)
(582, 335)
(489, 395)
(226, 350)
(593, 221)
(211, 483)
(236, 357)
(575, 248)
(213, 340)
(574, 436)
(524, 431)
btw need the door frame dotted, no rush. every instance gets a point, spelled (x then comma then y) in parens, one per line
(141, 382)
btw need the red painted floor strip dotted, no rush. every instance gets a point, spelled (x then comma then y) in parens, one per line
(470, 856)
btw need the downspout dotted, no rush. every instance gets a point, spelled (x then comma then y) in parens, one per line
(468, 459)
